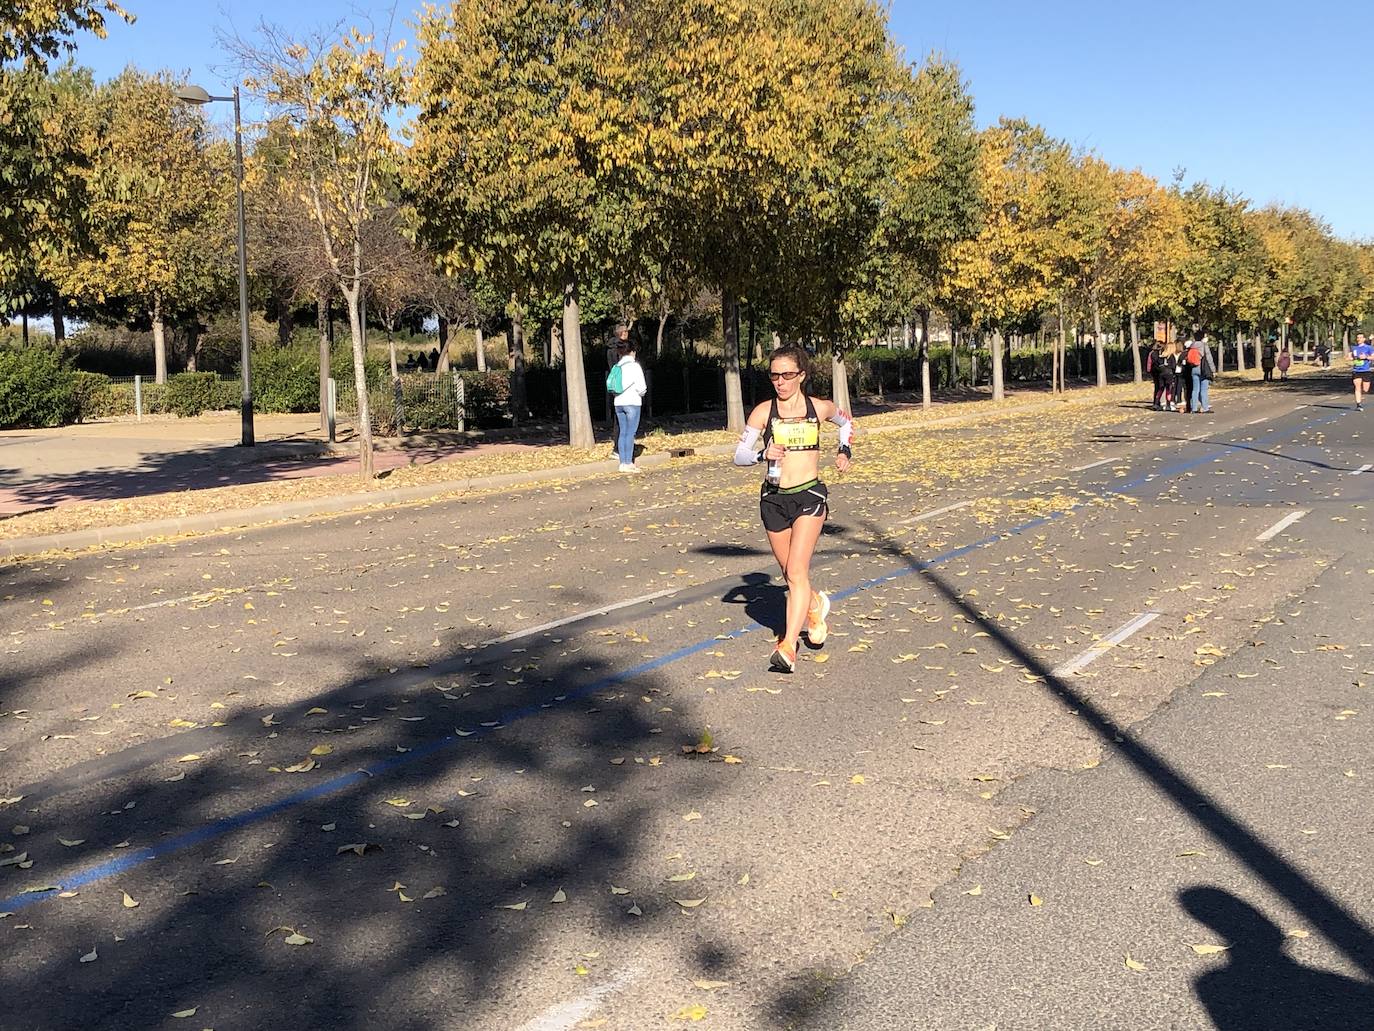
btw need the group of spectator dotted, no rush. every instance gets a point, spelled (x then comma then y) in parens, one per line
(422, 362)
(1273, 356)
(1182, 374)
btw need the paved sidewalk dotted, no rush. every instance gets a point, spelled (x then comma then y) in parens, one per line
(45, 469)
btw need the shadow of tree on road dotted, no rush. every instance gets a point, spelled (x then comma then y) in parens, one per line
(418, 819)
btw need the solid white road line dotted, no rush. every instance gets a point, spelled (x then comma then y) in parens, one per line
(1362, 469)
(934, 512)
(1256, 422)
(567, 1015)
(1282, 524)
(1092, 465)
(579, 617)
(1102, 647)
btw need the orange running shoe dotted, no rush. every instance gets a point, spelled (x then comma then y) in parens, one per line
(783, 659)
(816, 629)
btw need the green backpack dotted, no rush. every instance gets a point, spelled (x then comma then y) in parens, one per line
(615, 379)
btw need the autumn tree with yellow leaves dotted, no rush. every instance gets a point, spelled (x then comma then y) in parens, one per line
(157, 195)
(332, 101)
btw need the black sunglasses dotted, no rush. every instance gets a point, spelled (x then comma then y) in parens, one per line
(789, 376)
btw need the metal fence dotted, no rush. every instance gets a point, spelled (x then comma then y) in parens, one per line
(415, 401)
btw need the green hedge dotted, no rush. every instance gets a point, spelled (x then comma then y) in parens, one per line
(287, 380)
(189, 394)
(37, 388)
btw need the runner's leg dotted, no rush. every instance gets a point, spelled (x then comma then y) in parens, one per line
(781, 543)
(806, 530)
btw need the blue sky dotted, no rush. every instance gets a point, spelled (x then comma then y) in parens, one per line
(1274, 100)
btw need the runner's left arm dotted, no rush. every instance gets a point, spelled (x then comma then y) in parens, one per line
(843, 454)
(846, 425)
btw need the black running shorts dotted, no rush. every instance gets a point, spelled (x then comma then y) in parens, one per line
(781, 507)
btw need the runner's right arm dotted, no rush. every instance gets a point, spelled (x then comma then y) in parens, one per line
(746, 452)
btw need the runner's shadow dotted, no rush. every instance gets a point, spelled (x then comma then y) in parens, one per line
(764, 601)
(1262, 988)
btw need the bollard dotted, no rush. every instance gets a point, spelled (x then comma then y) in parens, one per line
(138, 398)
(331, 406)
(460, 399)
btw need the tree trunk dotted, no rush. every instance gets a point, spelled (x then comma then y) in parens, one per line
(1137, 372)
(998, 388)
(24, 329)
(59, 326)
(159, 343)
(481, 349)
(192, 331)
(1057, 384)
(662, 326)
(443, 364)
(579, 413)
(953, 355)
(1098, 345)
(839, 377)
(353, 301)
(322, 322)
(734, 398)
(515, 358)
(556, 342)
(283, 322)
(925, 358)
(906, 334)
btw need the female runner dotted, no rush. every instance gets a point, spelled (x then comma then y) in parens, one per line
(794, 502)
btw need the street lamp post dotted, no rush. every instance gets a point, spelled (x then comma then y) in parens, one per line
(198, 96)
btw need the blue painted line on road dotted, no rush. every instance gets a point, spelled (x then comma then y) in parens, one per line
(248, 817)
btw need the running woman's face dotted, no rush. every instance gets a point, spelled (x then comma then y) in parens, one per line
(786, 378)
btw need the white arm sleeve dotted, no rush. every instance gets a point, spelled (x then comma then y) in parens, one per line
(845, 425)
(746, 453)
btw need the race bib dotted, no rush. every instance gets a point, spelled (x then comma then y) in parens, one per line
(797, 434)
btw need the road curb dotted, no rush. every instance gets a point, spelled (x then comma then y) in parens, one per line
(245, 518)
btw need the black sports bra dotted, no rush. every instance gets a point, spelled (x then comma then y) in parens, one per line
(802, 434)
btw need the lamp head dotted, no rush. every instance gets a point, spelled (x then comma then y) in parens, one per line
(192, 95)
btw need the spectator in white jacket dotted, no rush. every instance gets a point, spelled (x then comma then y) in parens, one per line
(628, 375)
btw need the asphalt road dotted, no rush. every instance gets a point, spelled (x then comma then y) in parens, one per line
(424, 768)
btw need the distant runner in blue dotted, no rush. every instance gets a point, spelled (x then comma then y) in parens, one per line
(1362, 369)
